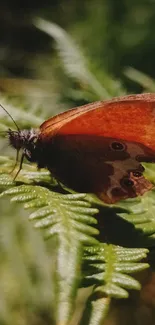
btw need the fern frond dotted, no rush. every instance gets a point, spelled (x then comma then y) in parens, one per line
(141, 78)
(113, 264)
(58, 211)
(96, 310)
(73, 60)
(109, 267)
(141, 213)
(28, 175)
(24, 118)
(67, 219)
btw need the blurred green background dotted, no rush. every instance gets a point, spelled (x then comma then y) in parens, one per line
(111, 52)
(114, 36)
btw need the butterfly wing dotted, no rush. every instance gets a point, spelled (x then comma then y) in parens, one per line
(99, 147)
(129, 118)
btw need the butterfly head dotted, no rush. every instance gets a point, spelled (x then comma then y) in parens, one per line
(25, 140)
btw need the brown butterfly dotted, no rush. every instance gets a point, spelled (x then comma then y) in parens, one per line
(97, 147)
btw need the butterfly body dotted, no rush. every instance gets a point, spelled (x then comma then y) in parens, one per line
(98, 147)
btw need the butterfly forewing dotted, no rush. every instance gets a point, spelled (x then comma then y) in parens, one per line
(98, 147)
(129, 119)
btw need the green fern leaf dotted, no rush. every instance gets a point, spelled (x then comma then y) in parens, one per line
(24, 118)
(96, 310)
(66, 217)
(141, 213)
(110, 266)
(141, 78)
(73, 60)
(70, 220)
(67, 210)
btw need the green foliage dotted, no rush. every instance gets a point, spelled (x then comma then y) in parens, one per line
(112, 265)
(141, 78)
(73, 60)
(68, 220)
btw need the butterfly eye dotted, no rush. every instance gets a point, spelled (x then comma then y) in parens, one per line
(117, 146)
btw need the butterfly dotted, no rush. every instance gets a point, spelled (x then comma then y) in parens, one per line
(96, 148)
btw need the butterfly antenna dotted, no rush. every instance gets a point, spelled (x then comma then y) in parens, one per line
(10, 117)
